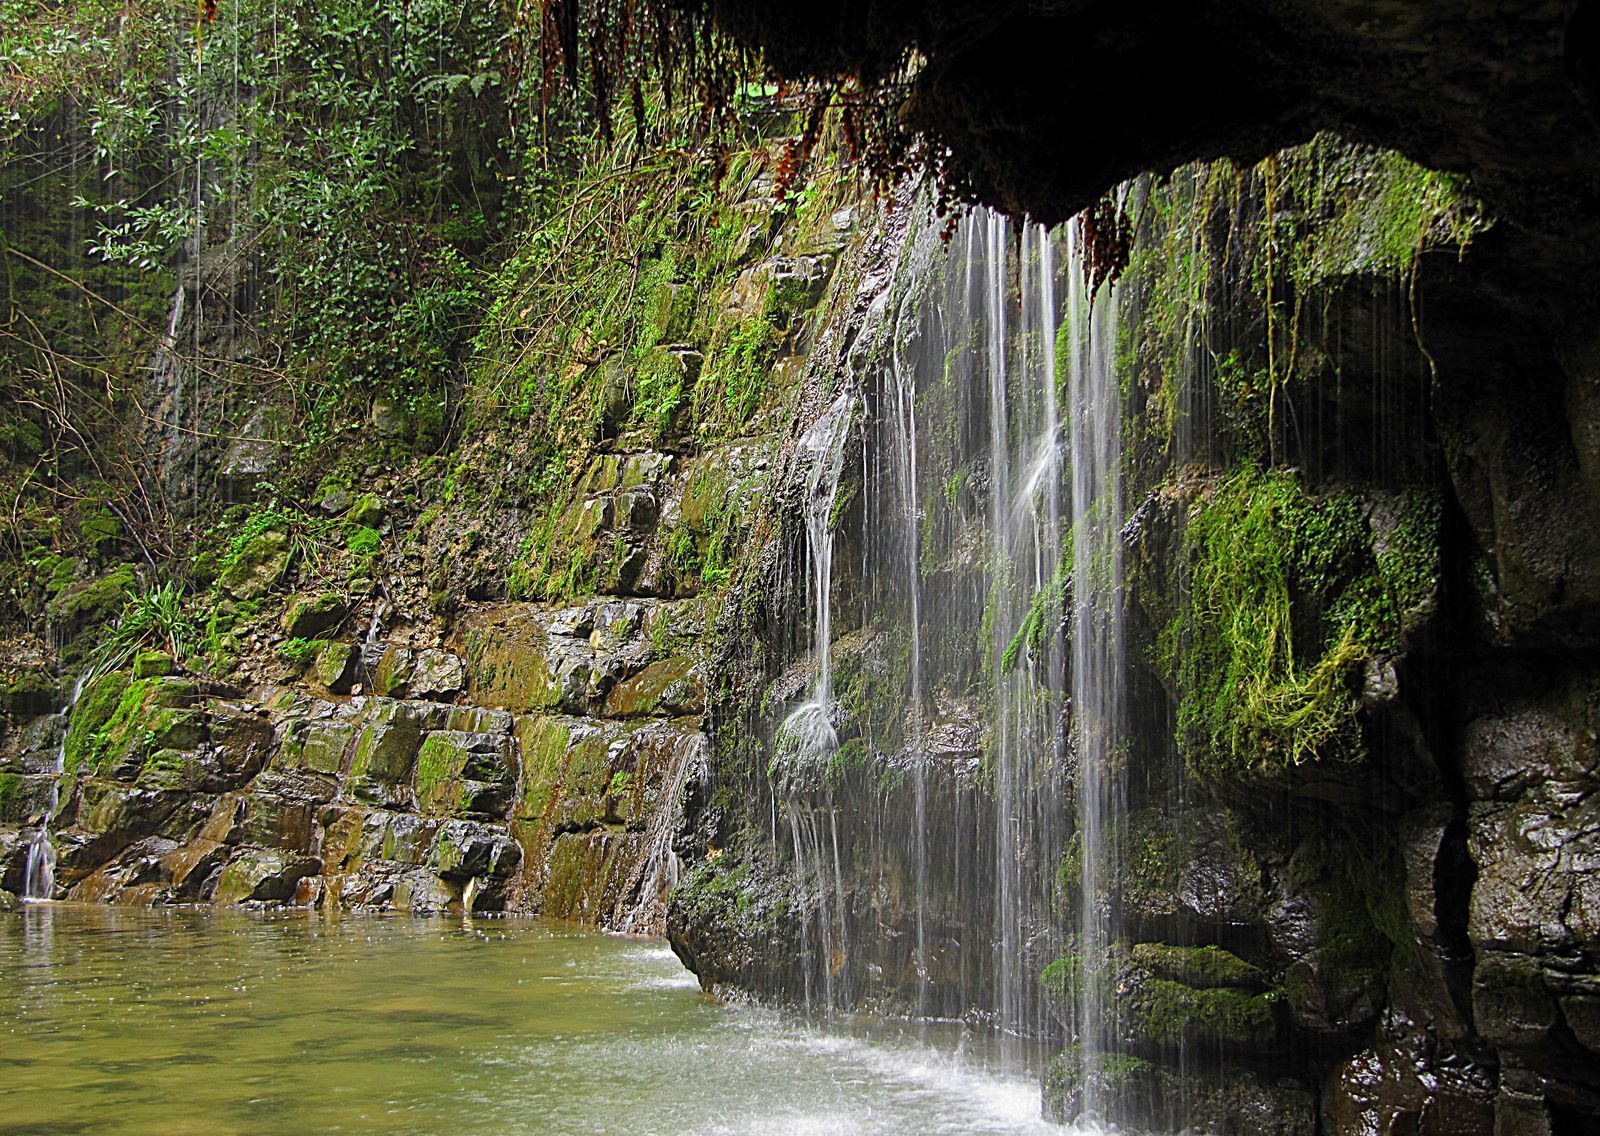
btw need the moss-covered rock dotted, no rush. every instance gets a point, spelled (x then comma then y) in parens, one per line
(336, 667)
(28, 694)
(11, 799)
(1203, 967)
(543, 742)
(263, 876)
(670, 687)
(1075, 1077)
(94, 708)
(366, 511)
(152, 664)
(507, 660)
(466, 850)
(462, 772)
(258, 565)
(587, 874)
(1160, 1013)
(315, 744)
(427, 674)
(726, 919)
(151, 714)
(313, 616)
(91, 602)
(386, 752)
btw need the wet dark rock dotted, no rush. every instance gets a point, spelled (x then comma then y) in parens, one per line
(253, 456)
(1156, 1098)
(263, 875)
(1191, 876)
(1399, 1085)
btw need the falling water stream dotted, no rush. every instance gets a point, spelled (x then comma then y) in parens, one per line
(993, 553)
(39, 874)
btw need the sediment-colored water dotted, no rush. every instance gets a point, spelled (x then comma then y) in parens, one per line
(124, 1021)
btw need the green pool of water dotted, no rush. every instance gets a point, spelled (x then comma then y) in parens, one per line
(121, 1021)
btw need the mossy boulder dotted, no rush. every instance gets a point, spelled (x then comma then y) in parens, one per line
(1077, 1077)
(259, 875)
(1142, 1096)
(257, 567)
(1205, 967)
(275, 820)
(393, 672)
(91, 602)
(336, 667)
(671, 687)
(1163, 998)
(98, 529)
(1160, 1014)
(385, 753)
(152, 714)
(366, 511)
(152, 664)
(169, 768)
(313, 616)
(726, 917)
(437, 675)
(11, 799)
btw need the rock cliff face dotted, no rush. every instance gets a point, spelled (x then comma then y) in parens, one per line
(479, 691)
(541, 773)
(1327, 917)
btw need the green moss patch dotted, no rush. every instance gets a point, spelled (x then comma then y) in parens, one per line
(1286, 597)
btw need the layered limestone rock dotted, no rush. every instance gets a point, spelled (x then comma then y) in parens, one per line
(508, 797)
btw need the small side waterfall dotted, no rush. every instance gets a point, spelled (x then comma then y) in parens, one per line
(656, 876)
(808, 738)
(39, 874)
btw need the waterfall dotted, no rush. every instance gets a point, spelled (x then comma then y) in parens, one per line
(39, 874)
(1018, 312)
(808, 738)
(990, 599)
(1098, 671)
(656, 875)
(39, 880)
